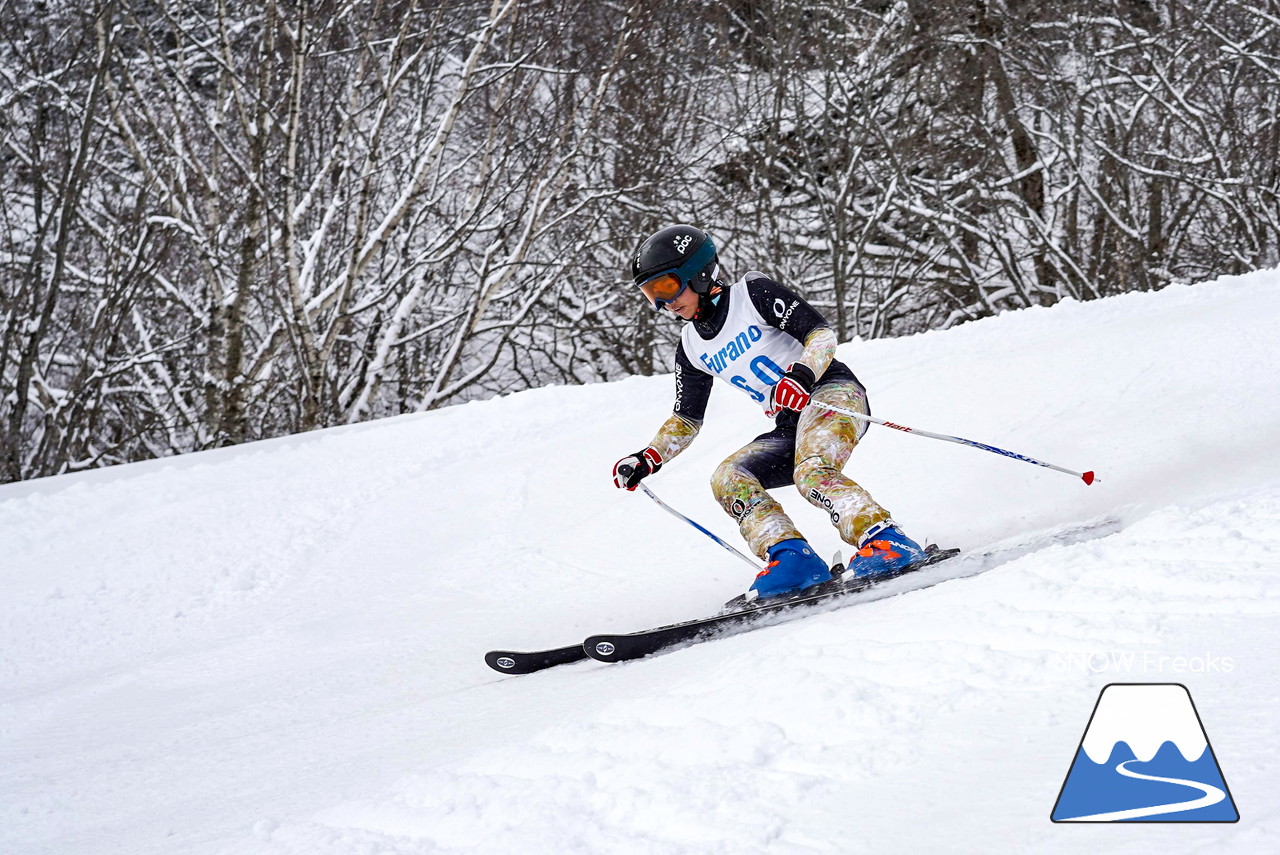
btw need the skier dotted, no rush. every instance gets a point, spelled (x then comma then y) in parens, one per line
(762, 338)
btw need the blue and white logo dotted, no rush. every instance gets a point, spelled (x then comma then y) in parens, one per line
(1145, 757)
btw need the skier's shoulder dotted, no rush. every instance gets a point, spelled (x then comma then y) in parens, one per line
(757, 291)
(763, 290)
(754, 282)
(777, 305)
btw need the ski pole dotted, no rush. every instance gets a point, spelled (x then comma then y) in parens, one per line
(708, 533)
(674, 512)
(1087, 477)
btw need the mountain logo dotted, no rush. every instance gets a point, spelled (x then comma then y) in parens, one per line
(1145, 757)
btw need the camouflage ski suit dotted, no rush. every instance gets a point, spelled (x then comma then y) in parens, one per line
(806, 449)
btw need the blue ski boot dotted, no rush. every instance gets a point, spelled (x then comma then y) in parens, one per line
(793, 566)
(885, 549)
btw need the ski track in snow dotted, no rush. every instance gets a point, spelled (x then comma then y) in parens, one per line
(277, 649)
(1209, 795)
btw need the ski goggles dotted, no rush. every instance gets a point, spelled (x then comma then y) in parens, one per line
(661, 288)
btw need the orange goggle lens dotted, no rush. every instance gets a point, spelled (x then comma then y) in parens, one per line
(662, 288)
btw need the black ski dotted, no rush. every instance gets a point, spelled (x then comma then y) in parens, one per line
(621, 647)
(516, 662)
(513, 662)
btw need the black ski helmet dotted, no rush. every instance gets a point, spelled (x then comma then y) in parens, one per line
(685, 251)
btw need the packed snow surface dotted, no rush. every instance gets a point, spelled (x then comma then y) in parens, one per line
(278, 648)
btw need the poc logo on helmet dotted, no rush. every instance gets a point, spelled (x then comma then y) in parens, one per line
(682, 243)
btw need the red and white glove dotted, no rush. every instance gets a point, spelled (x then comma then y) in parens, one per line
(792, 391)
(632, 469)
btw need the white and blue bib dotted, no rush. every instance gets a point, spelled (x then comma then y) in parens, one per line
(748, 352)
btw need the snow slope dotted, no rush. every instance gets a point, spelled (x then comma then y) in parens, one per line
(277, 648)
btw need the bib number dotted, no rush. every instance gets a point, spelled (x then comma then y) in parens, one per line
(766, 371)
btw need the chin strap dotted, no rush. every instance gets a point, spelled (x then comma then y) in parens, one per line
(707, 302)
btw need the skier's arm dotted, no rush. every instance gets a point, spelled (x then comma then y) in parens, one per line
(781, 307)
(675, 435)
(819, 350)
(693, 388)
(793, 390)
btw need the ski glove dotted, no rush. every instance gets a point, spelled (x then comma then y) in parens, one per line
(792, 391)
(631, 470)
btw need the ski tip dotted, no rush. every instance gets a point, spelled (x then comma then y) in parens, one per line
(502, 661)
(515, 662)
(601, 648)
(1088, 477)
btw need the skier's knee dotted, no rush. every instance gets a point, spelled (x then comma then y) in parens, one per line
(811, 473)
(727, 481)
(720, 477)
(728, 476)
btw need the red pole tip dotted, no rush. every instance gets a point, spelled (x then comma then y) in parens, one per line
(1088, 477)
